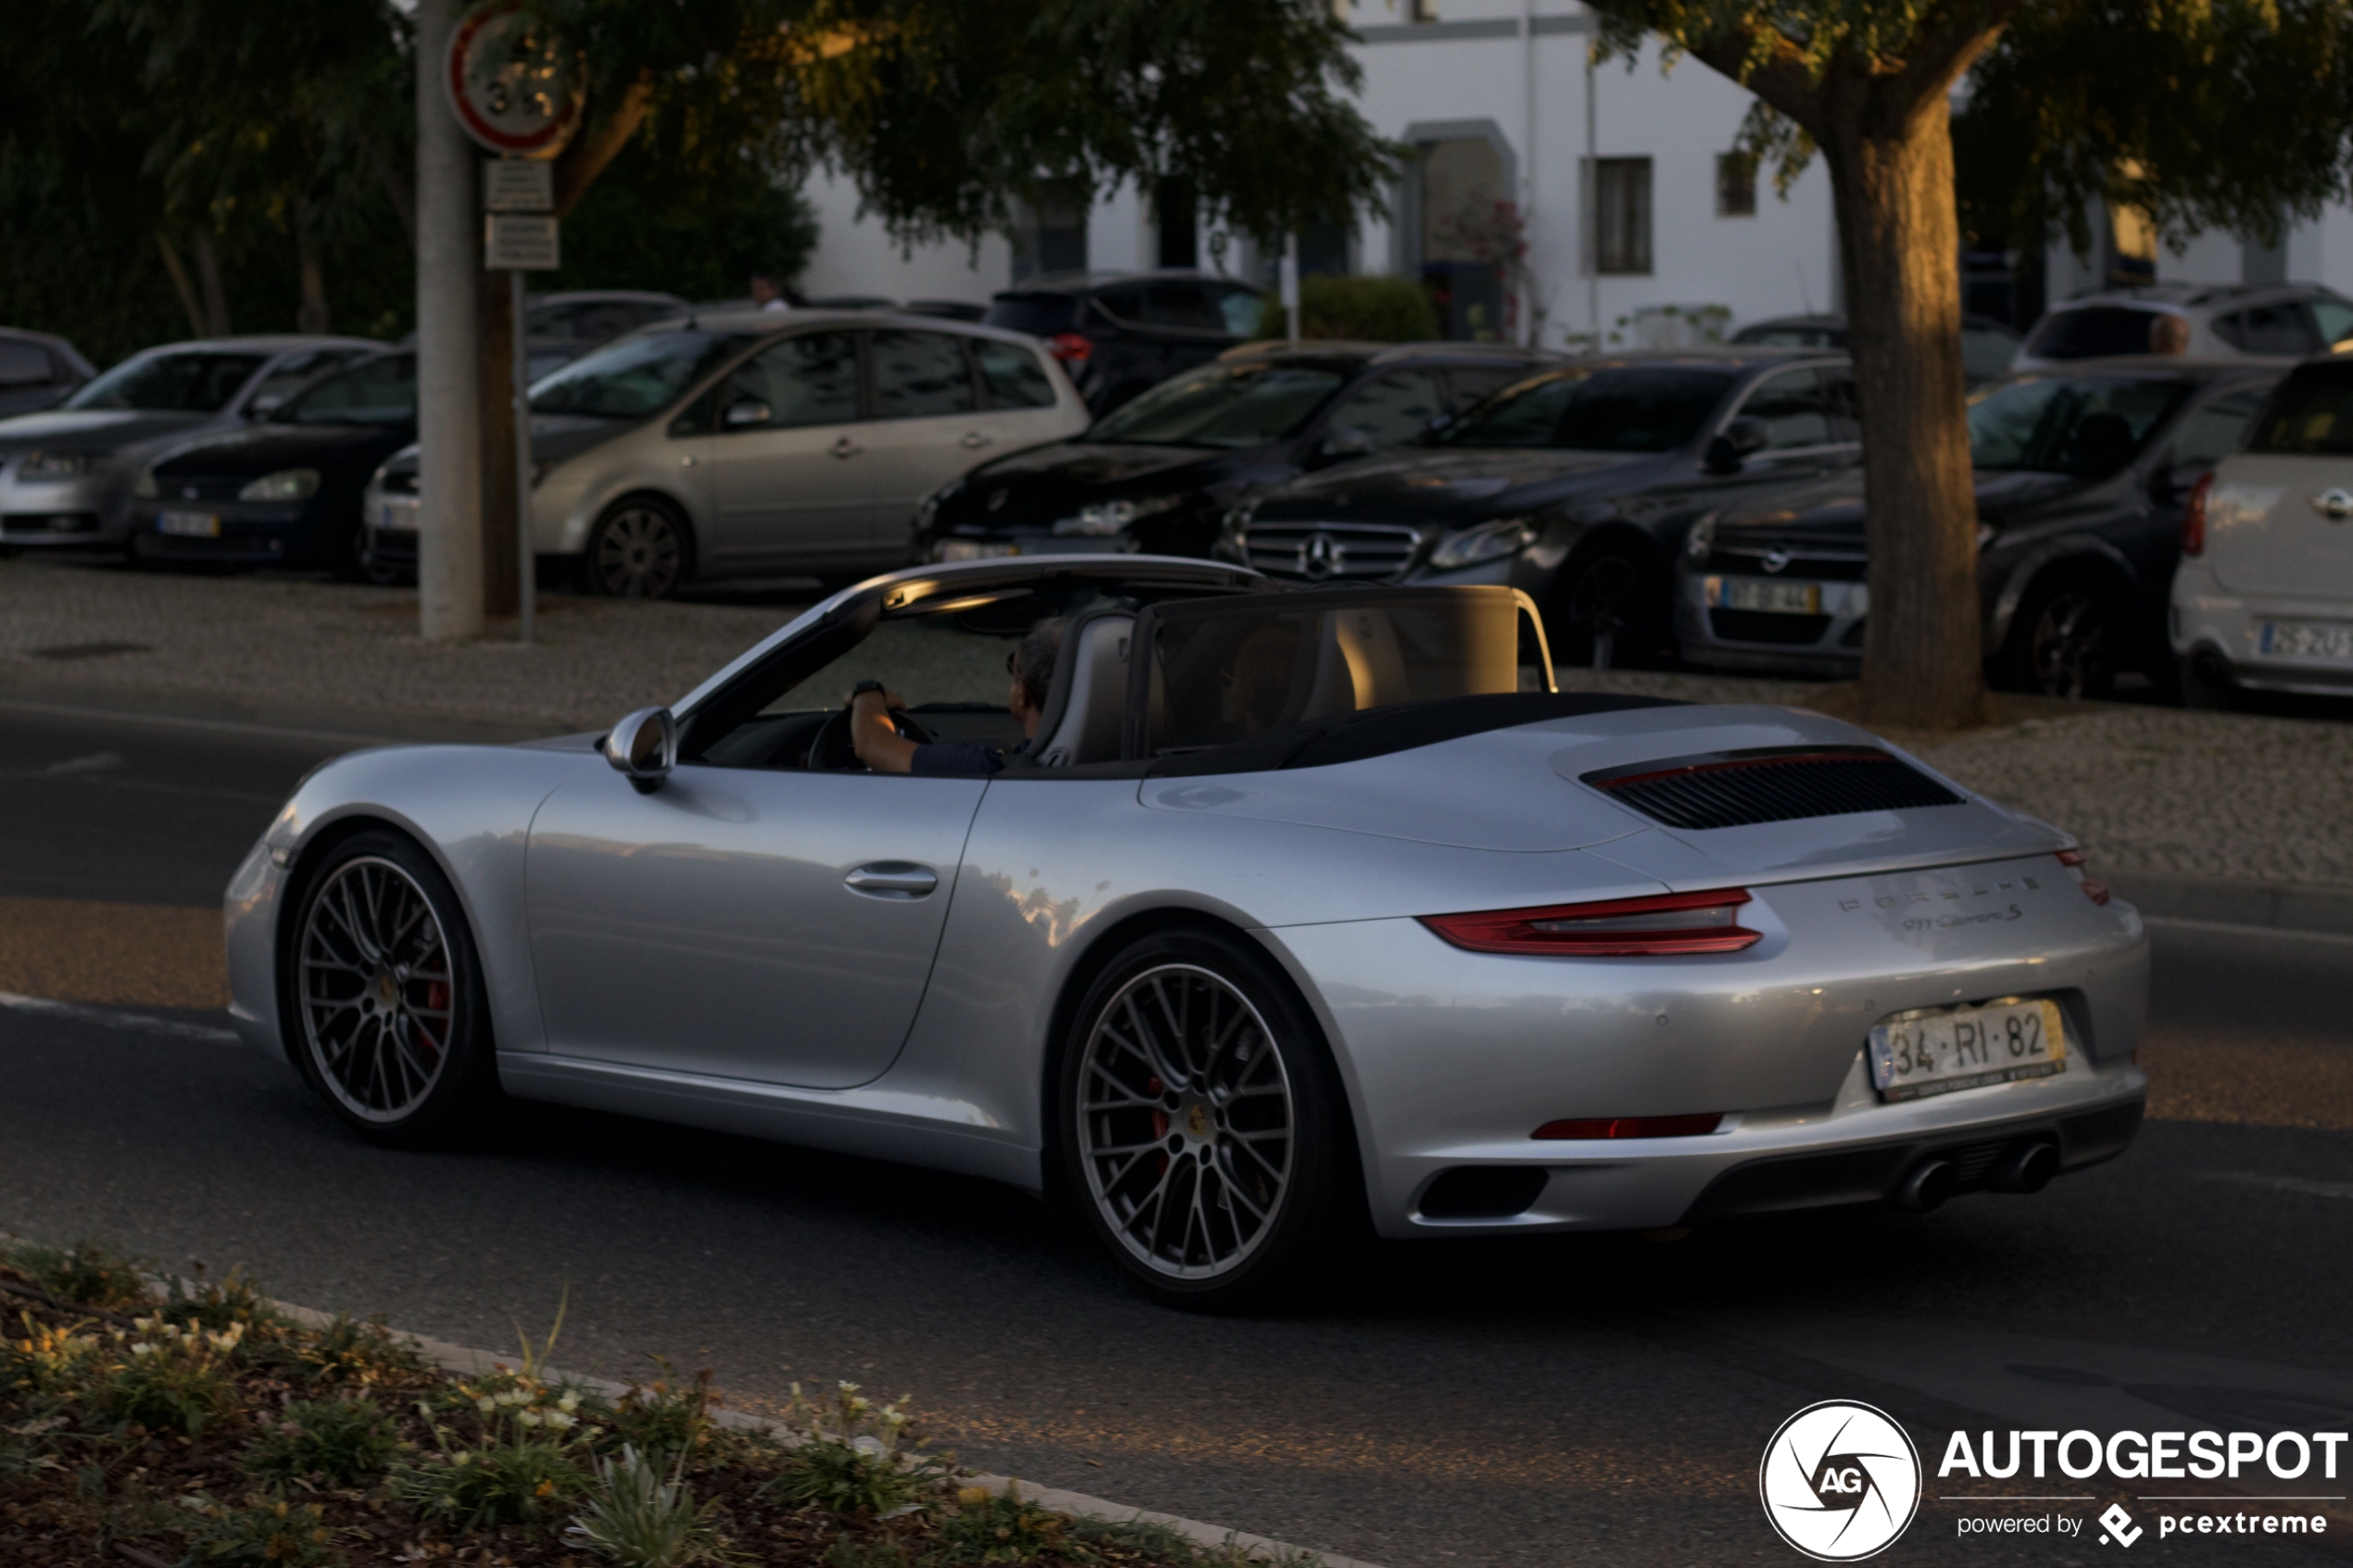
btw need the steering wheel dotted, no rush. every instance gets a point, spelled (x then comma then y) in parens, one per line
(830, 750)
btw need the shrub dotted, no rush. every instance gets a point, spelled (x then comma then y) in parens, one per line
(341, 1441)
(88, 1274)
(1374, 309)
(660, 1418)
(260, 1529)
(172, 1377)
(519, 1483)
(1002, 1527)
(50, 1360)
(638, 1520)
(350, 1351)
(220, 1303)
(852, 1462)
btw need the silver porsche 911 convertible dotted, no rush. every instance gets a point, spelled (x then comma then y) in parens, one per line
(1247, 918)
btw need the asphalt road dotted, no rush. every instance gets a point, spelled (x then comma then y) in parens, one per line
(1601, 1399)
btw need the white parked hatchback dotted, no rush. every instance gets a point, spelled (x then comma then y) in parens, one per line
(2263, 597)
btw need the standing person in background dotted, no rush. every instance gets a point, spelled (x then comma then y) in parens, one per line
(768, 294)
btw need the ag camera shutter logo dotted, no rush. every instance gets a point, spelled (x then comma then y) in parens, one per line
(1839, 1481)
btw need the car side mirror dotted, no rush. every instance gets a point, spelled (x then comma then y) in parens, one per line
(1741, 439)
(265, 405)
(645, 748)
(746, 412)
(1353, 442)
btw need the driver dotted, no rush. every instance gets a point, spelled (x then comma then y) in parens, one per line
(881, 746)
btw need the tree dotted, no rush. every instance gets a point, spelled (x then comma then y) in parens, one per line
(2174, 105)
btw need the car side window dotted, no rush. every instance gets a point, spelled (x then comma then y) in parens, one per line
(1125, 303)
(1237, 309)
(1838, 393)
(1793, 408)
(2266, 329)
(808, 380)
(24, 364)
(1012, 375)
(2332, 319)
(2213, 433)
(296, 368)
(1176, 303)
(1474, 382)
(921, 374)
(1391, 409)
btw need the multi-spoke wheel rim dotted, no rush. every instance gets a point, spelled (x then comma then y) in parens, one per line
(377, 995)
(1186, 1121)
(2069, 648)
(638, 553)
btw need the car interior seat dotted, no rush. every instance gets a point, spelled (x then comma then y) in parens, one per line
(1086, 700)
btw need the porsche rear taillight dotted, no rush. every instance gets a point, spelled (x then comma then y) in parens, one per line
(1668, 923)
(2194, 516)
(2093, 889)
(1632, 1127)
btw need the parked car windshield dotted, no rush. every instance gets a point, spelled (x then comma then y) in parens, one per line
(2088, 426)
(1219, 404)
(1613, 408)
(2310, 415)
(376, 391)
(171, 383)
(635, 377)
(1039, 315)
(2093, 332)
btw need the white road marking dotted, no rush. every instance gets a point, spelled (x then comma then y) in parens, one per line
(2283, 1184)
(111, 1018)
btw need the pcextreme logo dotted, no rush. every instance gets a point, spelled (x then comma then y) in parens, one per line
(1839, 1481)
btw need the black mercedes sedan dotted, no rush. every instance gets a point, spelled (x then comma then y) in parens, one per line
(287, 492)
(2083, 474)
(1159, 473)
(1575, 484)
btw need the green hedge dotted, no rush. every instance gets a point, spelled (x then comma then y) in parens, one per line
(1372, 309)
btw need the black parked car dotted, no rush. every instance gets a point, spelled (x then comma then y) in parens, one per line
(38, 371)
(1158, 474)
(2082, 475)
(1576, 485)
(1119, 332)
(284, 492)
(1987, 345)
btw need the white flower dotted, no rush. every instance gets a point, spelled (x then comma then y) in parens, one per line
(557, 1419)
(485, 1404)
(569, 1403)
(525, 1418)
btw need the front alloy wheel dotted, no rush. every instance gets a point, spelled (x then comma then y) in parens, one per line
(2067, 642)
(639, 552)
(1601, 614)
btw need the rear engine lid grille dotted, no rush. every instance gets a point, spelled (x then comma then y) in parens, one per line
(1317, 552)
(1730, 789)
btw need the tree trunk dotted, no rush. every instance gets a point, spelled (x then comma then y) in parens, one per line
(501, 580)
(310, 315)
(1899, 241)
(183, 282)
(216, 300)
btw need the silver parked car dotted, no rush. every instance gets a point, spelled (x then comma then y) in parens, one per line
(1294, 907)
(2263, 597)
(784, 444)
(2207, 320)
(67, 475)
(38, 371)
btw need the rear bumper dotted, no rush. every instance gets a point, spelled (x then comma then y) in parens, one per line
(2208, 620)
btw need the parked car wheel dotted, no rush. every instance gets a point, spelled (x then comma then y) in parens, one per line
(384, 1009)
(1603, 610)
(2206, 683)
(1204, 1131)
(2067, 639)
(640, 549)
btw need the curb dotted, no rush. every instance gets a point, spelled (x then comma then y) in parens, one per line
(2316, 909)
(335, 723)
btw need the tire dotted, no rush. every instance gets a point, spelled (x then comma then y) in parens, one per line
(1193, 1078)
(642, 548)
(2067, 639)
(2204, 684)
(381, 997)
(1603, 610)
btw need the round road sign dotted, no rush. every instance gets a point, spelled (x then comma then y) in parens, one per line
(515, 90)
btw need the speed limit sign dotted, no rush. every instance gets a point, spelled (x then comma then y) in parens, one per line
(512, 85)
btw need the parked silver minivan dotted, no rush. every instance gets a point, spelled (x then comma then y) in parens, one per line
(750, 445)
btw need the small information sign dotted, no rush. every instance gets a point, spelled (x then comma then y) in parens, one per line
(521, 242)
(513, 184)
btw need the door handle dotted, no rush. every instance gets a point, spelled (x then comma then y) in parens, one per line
(845, 448)
(2333, 505)
(892, 879)
(973, 441)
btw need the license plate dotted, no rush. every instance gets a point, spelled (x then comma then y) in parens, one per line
(2307, 639)
(971, 549)
(1938, 1050)
(398, 516)
(189, 525)
(1768, 594)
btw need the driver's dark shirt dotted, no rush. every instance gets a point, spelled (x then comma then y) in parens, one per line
(963, 759)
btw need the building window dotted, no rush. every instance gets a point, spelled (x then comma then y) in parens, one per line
(1177, 219)
(1049, 234)
(1735, 185)
(1622, 215)
(1421, 10)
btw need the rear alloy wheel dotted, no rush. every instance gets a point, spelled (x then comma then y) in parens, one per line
(383, 996)
(1201, 1129)
(1603, 610)
(638, 550)
(2066, 641)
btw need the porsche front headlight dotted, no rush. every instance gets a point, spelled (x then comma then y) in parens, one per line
(287, 484)
(1488, 541)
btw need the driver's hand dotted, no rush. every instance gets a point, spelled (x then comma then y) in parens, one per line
(864, 702)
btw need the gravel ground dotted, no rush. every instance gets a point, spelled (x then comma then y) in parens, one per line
(2150, 790)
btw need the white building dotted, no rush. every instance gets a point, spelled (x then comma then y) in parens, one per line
(1635, 216)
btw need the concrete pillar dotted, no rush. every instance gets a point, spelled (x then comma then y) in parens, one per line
(449, 602)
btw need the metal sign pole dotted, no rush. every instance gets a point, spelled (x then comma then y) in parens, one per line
(527, 558)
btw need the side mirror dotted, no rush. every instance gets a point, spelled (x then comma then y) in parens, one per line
(1353, 442)
(265, 405)
(644, 746)
(1741, 438)
(745, 412)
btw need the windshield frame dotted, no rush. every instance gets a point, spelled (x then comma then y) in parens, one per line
(83, 396)
(723, 350)
(2183, 391)
(1731, 379)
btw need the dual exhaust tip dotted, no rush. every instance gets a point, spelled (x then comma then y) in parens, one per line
(2026, 1165)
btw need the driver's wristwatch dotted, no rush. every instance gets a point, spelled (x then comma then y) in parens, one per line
(862, 688)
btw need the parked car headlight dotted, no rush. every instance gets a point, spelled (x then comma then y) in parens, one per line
(1700, 540)
(1233, 533)
(287, 484)
(1986, 535)
(145, 486)
(57, 465)
(928, 508)
(1099, 519)
(1488, 541)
